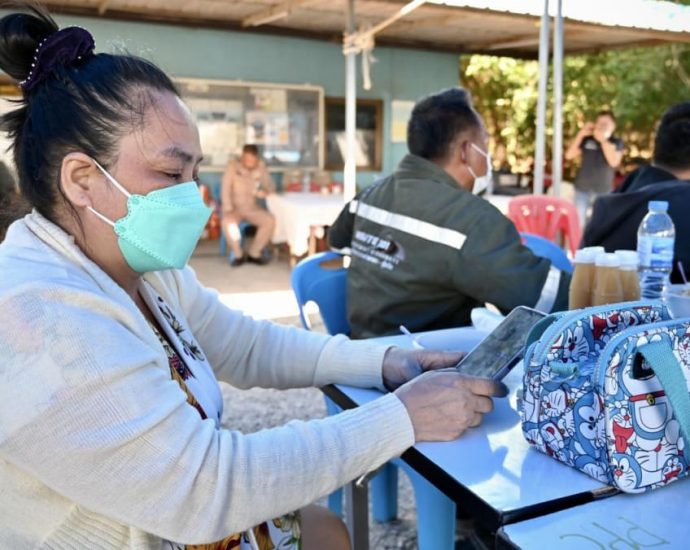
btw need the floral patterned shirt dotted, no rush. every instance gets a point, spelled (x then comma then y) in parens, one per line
(278, 534)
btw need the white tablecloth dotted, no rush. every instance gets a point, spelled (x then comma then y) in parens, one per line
(295, 213)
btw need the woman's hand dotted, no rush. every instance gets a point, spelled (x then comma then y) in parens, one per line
(401, 365)
(442, 405)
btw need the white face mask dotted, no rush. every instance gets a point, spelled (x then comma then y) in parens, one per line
(482, 183)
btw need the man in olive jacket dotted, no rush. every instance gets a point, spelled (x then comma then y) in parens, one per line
(425, 250)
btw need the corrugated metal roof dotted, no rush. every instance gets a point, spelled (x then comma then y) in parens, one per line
(507, 27)
(640, 14)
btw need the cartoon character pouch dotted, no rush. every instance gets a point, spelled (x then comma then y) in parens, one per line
(606, 392)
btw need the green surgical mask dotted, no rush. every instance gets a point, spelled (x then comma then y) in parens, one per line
(161, 229)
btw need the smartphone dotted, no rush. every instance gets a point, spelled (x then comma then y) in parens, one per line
(503, 348)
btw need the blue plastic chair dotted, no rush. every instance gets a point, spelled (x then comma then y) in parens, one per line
(223, 244)
(312, 282)
(243, 226)
(546, 249)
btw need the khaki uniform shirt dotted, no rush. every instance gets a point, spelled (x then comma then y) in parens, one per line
(239, 187)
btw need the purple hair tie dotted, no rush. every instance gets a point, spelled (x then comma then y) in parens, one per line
(59, 49)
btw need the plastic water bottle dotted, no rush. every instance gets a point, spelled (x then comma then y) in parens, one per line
(655, 240)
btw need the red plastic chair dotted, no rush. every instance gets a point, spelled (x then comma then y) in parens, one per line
(294, 187)
(548, 217)
(298, 187)
(293, 182)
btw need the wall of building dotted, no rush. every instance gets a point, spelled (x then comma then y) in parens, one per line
(398, 74)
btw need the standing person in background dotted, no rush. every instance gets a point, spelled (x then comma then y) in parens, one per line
(245, 180)
(616, 216)
(602, 153)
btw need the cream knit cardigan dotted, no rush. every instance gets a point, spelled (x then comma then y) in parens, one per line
(98, 447)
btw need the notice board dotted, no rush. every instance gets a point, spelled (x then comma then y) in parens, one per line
(285, 121)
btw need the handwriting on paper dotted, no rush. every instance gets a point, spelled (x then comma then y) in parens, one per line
(622, 534)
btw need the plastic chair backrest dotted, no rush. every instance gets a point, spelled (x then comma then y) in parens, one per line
(327, 287)
(546, 216)
(547, 249)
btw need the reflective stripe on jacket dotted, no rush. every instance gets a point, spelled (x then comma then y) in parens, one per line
(425, 252)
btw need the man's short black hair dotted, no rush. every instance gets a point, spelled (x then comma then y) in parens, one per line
(672, 143)
(250, 149)
(608, 114)
(436, 121)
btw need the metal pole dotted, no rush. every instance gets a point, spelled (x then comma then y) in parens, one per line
(557, 166)
(402, 12)
(357, 514)
(540, 146)
(350, 175)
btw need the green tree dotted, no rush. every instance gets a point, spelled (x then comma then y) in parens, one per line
(504, 91)
(637, 84)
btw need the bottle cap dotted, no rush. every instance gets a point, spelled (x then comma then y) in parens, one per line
(658, 206)
(628, 258)
(607, 260)
(584, 256)
(588, 255)
(595, 250)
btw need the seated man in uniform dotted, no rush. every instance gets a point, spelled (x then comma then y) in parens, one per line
(244, 181)
(425, 250)
(617, 216)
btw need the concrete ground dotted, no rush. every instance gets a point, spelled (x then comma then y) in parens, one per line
(264, 292)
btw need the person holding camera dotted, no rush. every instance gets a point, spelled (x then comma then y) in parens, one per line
(601, 152)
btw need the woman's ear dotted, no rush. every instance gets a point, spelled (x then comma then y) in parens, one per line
(78, 173)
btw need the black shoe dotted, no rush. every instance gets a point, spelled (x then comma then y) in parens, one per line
(236, 262)
(261, 260)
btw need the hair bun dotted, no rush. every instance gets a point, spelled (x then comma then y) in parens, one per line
(20, 36)
(64, 47)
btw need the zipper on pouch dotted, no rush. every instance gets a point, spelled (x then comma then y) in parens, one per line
(567, 318)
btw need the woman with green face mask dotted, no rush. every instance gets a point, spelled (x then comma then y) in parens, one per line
(110, 433)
